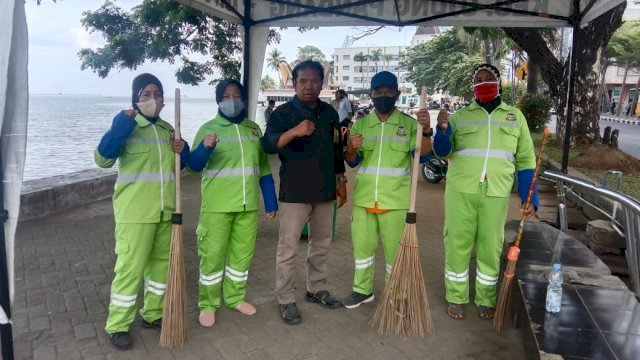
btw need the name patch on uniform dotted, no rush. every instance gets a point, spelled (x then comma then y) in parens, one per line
(401, 131)
(511, 117)
(255, 132)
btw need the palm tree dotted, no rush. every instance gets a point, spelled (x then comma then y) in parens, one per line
(376, 55)
(361, 58)
(273, 61)
(387, 58)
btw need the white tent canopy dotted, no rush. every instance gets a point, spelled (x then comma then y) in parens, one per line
(256, 16)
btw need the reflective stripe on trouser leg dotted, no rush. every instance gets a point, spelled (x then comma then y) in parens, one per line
(213, 239)
(489, 243)
(242, 243)
(460, 226)
(364, 236)
(134, 243)
(155, 273)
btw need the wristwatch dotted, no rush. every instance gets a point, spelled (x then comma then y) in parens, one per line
(427, 133)
(342, 178)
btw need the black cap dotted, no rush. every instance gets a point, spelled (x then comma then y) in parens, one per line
(139, 83)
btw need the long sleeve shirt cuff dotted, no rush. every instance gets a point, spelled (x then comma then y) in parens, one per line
(268, 188)
(355, 162)
(524, 181)
(184, 155)
(113, 140)
(442, 141)
(199, 157)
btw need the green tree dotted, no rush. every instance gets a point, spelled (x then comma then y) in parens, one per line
(273, 60)
(441, 63)
(164, 30)
(310, 52)
(267, 82)
(376, 55)
(591, 42)
(624, 51)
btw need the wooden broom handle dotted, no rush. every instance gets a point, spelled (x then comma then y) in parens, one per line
(415, 169)
(177, 156)
(531, 187)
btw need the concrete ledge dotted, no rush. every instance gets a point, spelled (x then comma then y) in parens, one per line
(42, 197)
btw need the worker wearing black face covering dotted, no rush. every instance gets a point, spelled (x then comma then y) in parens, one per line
(382, 143)
(233, 166)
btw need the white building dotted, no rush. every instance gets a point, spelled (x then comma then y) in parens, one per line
(353, 67)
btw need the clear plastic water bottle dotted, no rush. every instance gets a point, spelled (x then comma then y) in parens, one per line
(554, 290)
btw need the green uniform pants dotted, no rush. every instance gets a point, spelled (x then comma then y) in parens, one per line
(226, 242)
(143, 252)
(365, 227)
(473, 219)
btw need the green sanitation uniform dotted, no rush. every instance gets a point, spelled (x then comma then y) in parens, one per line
(381, 193)
(143, 201)
(486, 150)
(232, 173)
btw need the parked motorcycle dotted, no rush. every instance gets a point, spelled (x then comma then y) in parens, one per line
(434, 169)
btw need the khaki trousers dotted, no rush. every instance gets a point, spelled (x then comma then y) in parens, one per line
(292, 219)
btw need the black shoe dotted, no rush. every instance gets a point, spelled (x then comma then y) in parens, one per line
(121, 340)
(290, 314)
(355, 299)
(323, 298)
(155, 324)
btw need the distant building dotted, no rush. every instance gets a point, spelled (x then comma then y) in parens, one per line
(614, 76)
(353, 67)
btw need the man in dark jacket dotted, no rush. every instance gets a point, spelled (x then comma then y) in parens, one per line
(305, 134)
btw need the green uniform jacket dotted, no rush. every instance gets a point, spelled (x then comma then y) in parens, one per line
(145, 189)
(491, 147)
(230, 180)
(384, 174)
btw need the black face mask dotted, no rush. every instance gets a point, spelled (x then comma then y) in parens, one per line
(384, 104)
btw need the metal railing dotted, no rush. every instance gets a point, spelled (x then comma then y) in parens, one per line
(625, 208)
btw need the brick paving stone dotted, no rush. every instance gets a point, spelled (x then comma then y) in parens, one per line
(64, 267)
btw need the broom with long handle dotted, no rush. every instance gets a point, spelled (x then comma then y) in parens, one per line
(404, 308)
(174, 330)
(504, 295)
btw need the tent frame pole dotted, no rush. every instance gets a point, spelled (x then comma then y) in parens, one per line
(575, 22)
(246, 22)
(6, 333)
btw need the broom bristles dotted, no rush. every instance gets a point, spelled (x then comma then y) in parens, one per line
(174, 329)
(502, 315)
(404, 307)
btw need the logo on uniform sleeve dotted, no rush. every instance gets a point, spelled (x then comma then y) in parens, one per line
(255, 132)
(401, 131)
(511, 117)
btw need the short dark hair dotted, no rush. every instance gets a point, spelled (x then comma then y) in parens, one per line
(272, 102)
(308, 64)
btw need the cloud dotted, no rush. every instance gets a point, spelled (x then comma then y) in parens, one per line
(83, 39)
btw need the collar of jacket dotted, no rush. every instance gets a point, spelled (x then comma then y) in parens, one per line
(143, 122)
(222, 121)
(474, 105)
(394, 118)
(299, 104)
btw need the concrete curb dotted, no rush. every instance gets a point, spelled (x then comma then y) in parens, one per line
(42, 197)
(620, 120)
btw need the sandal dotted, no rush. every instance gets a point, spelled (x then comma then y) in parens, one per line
(486, 312)
(455, 311)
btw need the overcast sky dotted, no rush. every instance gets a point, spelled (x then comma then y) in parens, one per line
(56, 35)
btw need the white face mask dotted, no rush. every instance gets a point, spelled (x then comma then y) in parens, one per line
(231, 108)
(150, 108)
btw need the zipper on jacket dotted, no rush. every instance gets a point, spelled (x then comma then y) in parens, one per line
(244, 186)
(486, 156)
(379, 160)
(161, 172)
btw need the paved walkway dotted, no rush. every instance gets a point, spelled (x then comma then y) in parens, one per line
(64, 266)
